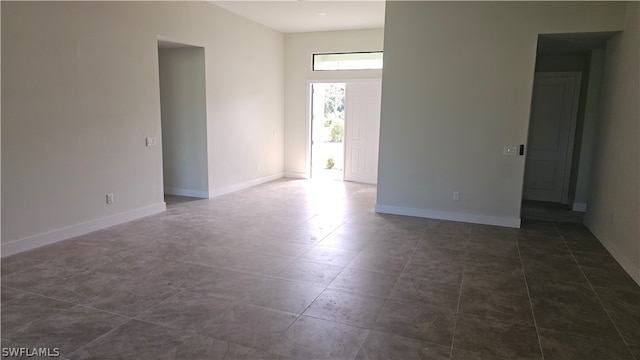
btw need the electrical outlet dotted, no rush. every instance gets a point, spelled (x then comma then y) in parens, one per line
(456, 196)
(510, 150)
(151, 141)
(110, 198)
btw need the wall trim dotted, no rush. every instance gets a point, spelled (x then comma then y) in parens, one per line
(449, 215)
(186, 192)
(35, 241)
(296, 175)
(244, 185)
(579, 206)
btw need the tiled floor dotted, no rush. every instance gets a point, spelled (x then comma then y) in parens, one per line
(298, 269)
(548, 211)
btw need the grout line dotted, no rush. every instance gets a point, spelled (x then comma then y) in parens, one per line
(455, 323)
(624, 341)
(526, 285)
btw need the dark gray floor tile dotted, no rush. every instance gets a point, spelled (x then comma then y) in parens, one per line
(585, 244)
(285, 295)
(18, 262)
(494, 232)
(455, 242)
(586, 321)
(27, 309)
(433, 293)
(417, 321)
(537, 227)
(310, 272)
(398, 248)
(620, 301)
(329, 255)
(481, 262)
(392, 265)
(187, 311)
(247, 242)
(9, 294)
(495, 306)
(553, 266)
(426, 254)
(438, 271)
(39, 277)
(562, 292)
(272, 246)
(528, 241)
(181, 275)
(498, 339)
(500, 282)
(409, 223)
(133, 340)
(496, 246)
(310, 338)
(379, 346)
(82, 287)
(615, 279)
(347, 240)
(458, 354)
(448, 227)
(69, 329)
(598, 260)
(228, 284)
(130, 297)
(635, 350)
(198, 347)
(238, 260)
(565, 346)
(364, 282)
(629, 327)
(346, 308)
(249, 325)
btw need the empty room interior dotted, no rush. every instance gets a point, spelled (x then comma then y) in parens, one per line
(320, 180)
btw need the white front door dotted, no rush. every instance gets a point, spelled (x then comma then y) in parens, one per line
(551, 136)
(362, 122)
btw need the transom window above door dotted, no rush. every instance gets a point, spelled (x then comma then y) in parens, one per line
(348, 61)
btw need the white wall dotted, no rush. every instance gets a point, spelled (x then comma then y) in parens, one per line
(614, 199)
(589, 128)
(300, 48)
(457, 87)
(184, 121)
(81, 94)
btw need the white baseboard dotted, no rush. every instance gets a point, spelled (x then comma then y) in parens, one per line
(243, 185)
(296, 175)
(51, 237)
(621, 257)
(186, 192)
(449, 215)
(580, 207)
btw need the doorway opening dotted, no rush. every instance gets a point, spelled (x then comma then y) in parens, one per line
(328, 102)
(562, 125)
(345, 130)
(183, 120)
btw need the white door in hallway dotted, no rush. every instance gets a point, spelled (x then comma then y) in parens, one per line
(551, 136)
(362, 121)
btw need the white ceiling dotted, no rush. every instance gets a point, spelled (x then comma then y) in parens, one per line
(289, 16)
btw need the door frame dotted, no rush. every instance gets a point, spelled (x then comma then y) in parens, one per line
(309, 110)
(577, 76)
